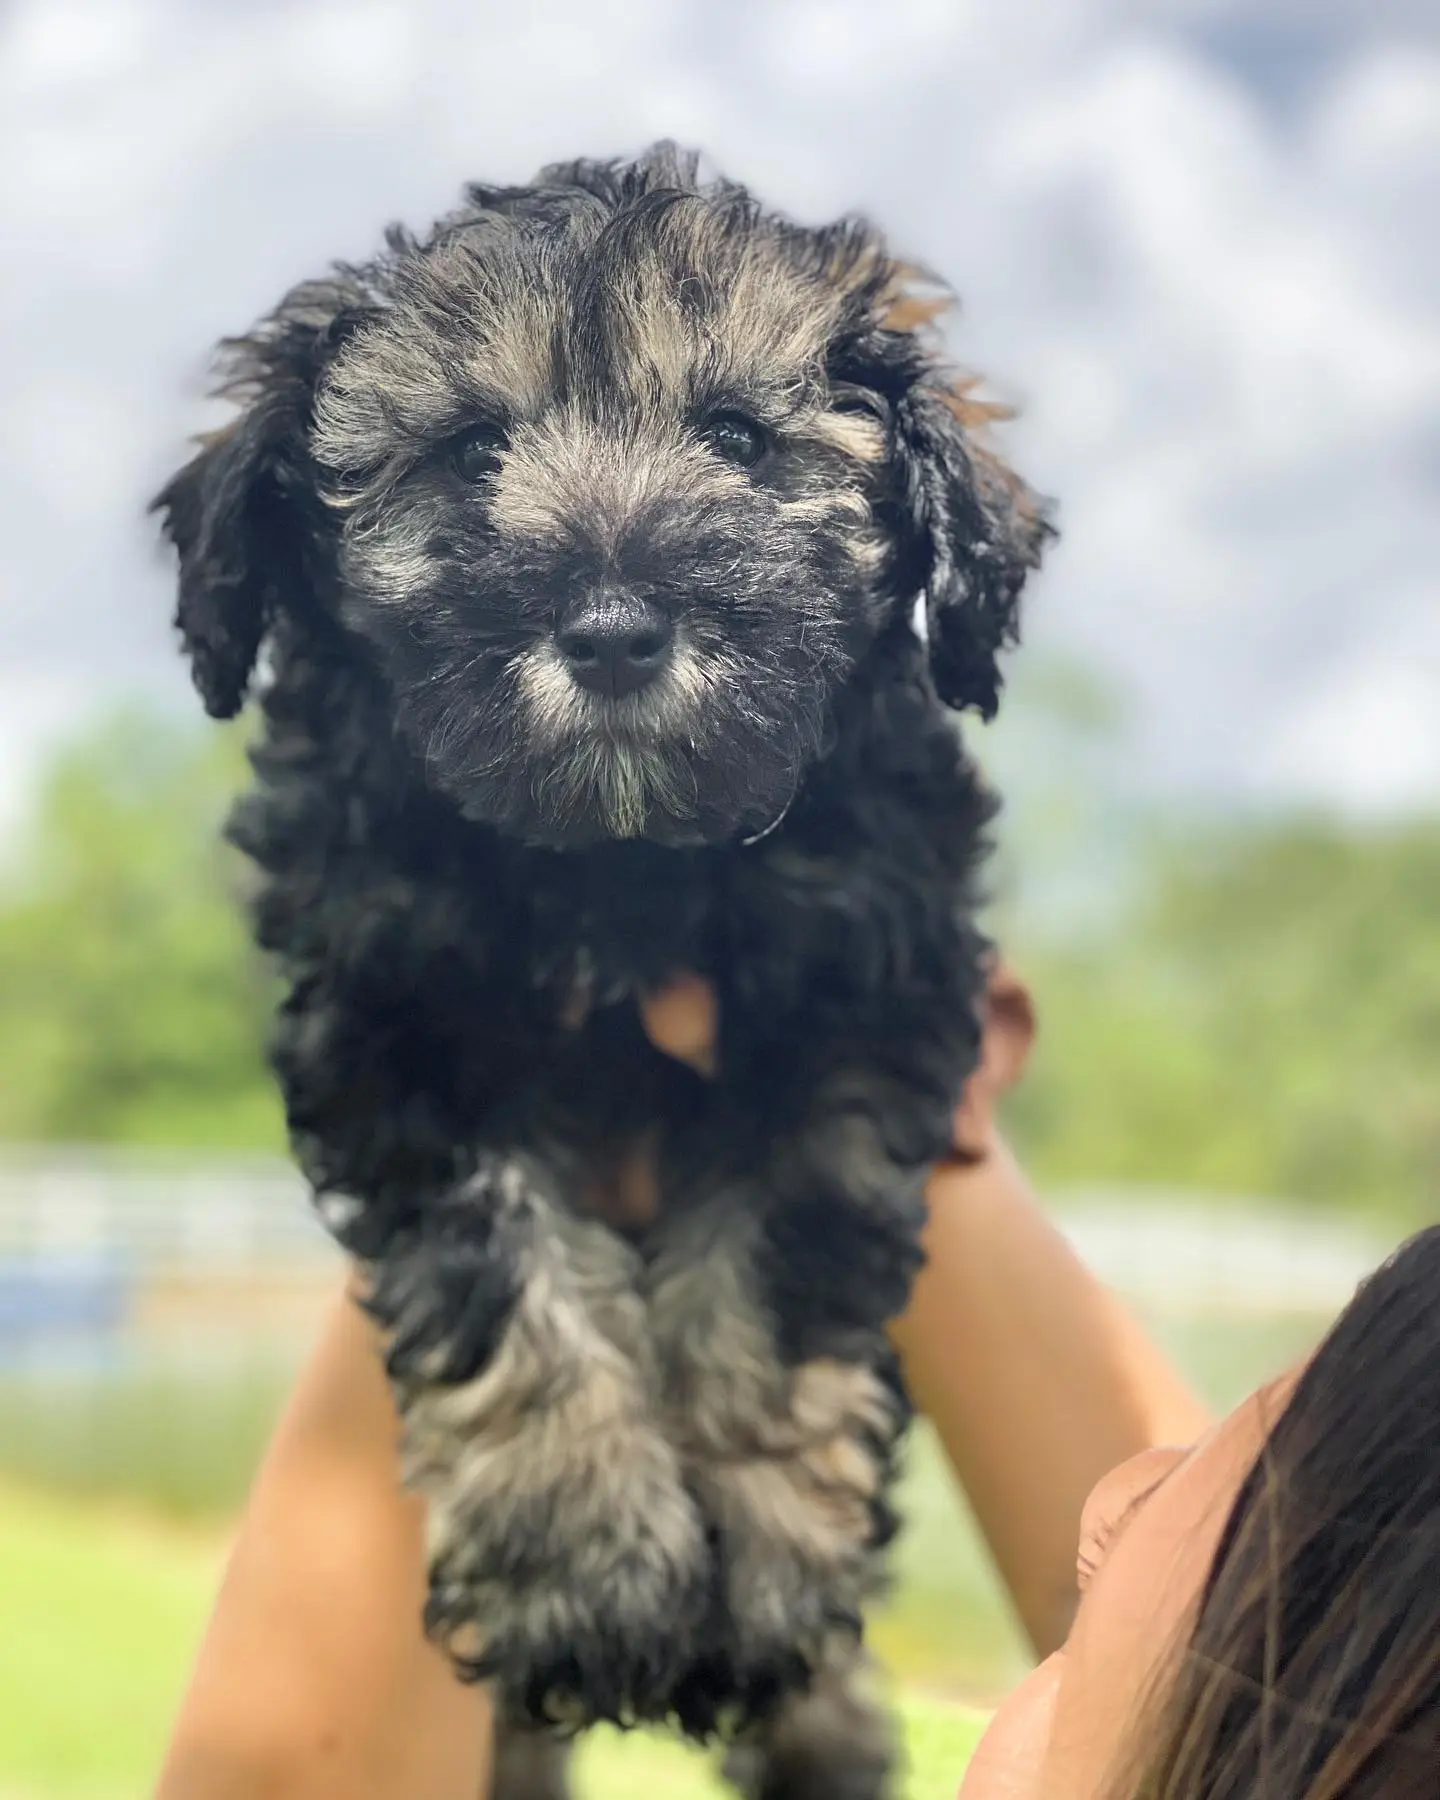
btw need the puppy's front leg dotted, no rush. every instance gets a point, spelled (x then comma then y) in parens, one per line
(567, 1560)
(770, 1301)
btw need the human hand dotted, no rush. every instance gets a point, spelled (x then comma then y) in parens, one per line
(682, 1019)
(1009, 1033)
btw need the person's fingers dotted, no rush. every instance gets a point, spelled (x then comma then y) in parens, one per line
(682, 1019)
(1010, 1028)
(1005, 1049)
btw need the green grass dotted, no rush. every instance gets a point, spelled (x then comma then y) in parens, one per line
(184, 1436)
(100, 1613)
(939, 1738)
(102, 1601)
(99, 1618)
(185, 1446)
(181, 1440)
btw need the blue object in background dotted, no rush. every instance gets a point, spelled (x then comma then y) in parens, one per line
(50, 1297)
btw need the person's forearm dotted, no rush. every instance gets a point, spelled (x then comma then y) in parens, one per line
(1035, 1378)
(315, 1682)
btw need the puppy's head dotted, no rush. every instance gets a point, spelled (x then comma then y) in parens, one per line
(619, 477)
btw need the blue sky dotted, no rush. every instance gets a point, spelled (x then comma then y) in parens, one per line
(1196, 243)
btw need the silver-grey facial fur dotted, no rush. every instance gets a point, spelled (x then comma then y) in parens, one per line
(553, 419)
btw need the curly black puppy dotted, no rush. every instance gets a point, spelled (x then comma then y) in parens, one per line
(586, 539)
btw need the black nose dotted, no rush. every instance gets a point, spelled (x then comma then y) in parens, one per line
(613, 643)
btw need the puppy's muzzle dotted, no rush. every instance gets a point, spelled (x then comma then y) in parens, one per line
(614, 642)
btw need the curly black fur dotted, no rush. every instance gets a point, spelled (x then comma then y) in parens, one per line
(657, 1465)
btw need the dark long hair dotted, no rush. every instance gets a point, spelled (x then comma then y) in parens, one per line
(1313, 1669)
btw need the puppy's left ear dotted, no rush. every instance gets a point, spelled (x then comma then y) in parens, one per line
(981, 531)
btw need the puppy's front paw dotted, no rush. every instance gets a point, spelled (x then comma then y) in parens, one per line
(583, 1610)
(802, 1518)
(568, 1562)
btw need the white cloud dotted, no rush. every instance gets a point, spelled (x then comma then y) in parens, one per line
(1382, 118)
(1367, 737)
(1220, 316)
(68, 47)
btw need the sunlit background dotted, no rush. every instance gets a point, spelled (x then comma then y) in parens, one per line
(1197, 247)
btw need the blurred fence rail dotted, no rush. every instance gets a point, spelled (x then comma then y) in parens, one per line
(154, 1307)
(142, 1237)
(95, 1244)
(173, 1213)
(1188, 1252)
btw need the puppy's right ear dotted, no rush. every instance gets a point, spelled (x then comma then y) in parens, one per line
(224, 513)
(243, 514)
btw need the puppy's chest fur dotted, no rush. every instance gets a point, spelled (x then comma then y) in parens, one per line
(475, 978)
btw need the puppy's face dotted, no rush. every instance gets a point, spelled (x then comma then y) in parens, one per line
(609, 526)
(619, 483)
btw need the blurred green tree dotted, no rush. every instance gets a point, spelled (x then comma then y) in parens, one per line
(1248, 1007)
(131, 1008)
(1265, 1021)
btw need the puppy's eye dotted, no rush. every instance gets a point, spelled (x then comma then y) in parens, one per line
(475, 454)
(735, 439)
